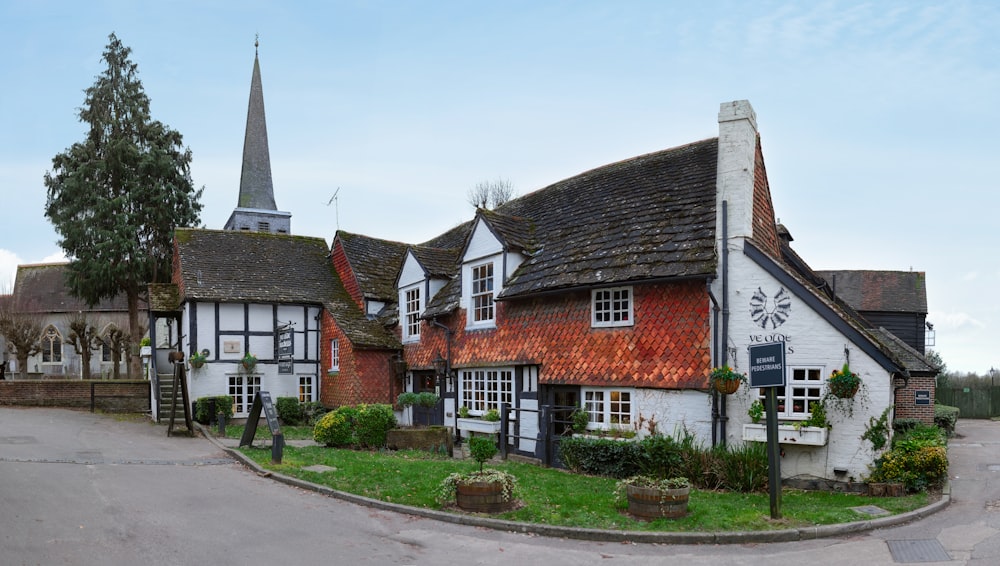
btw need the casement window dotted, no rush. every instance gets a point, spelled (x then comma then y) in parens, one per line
(305, 388)
(482, 293)
(242, 389)
(106, 349)
(611, 307)
(335, 354)
(485, 389)
(608, 408)
(804, 387)
(51, 346)
(411, 313)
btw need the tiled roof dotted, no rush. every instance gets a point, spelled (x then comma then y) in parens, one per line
(649, 217)
(880, 291)
(375, 264)
(911, 360)
(230, 265)
(41, 288)
(446, 300)
(516, 233)
(438, 263)
(243, 266)
(164, 297)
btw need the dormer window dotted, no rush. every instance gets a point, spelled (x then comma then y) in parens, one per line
(411, 313)
(611, 307)
(482, 293)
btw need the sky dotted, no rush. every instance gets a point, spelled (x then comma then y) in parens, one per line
(878, 120)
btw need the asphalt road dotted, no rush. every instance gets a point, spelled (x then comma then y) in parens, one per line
(77, 488)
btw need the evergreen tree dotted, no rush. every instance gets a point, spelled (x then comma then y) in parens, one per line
(116, 197)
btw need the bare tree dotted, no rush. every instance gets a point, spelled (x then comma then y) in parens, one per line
(491, 194)
(83, 336)
(23, 332)
(119, 342)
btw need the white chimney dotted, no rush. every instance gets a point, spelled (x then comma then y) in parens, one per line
(735, 172)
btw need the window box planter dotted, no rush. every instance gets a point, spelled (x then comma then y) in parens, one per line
(787, 434)
(479, 425)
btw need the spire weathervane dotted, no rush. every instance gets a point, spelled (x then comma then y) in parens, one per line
(256, 42)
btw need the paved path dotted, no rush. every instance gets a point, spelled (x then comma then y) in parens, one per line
(77, 488)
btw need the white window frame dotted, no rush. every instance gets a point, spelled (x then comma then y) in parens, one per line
(482, 314)
(484, 389)
(335, 354)
(609, 408)
(412, 309)
(242, 389)
(805, 386)
(306, 388)
(612, 307)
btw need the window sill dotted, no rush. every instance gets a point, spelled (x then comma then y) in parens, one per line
(787, 434)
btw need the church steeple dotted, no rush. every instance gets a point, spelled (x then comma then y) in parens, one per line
(256, 209)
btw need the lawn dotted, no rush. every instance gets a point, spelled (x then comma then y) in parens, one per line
(556, 497)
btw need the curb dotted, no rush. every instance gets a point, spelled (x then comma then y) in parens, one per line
(600, 535)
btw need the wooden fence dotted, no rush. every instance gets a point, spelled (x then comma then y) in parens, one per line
(972, 402)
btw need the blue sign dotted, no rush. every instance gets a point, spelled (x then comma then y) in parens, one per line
(767, 365)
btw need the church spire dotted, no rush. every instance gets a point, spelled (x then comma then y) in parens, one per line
(256, 209)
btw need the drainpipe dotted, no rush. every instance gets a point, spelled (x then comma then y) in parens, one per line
(448, 333)
(715, 360)
(725, 314)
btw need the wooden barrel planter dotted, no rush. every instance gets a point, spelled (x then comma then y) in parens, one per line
(482, 497)
(652, 503)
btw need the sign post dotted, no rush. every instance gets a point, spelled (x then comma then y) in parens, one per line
(767, 370)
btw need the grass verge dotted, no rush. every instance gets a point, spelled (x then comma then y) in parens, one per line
(557, 497)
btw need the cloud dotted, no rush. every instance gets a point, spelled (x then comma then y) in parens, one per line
(970, 276)
(8, 269)
(955, 320)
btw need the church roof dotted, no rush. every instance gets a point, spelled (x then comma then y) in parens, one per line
(256, 186)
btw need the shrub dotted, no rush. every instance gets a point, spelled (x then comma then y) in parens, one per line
(482, 449)
(336, 428)
(740, 468)
(945, 417)
(312, 411)
(407, 399)
(900, 426)
(427, 399)
(372, 424)
(661, 456)
(289, 410)
(916, 468)
(492, 416)
(600, 456)
(206, 408)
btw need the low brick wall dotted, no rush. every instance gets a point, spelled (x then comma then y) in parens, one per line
(117, 395)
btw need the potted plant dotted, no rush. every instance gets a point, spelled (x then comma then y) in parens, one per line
(484, 491)
(756, 411)
(843, 383)
(488, 423)
(725, 380)
(198, 359)
(249, 361)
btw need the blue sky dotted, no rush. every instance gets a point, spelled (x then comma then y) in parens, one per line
(878, 120)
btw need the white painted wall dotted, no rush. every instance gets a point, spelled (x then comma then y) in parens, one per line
(810, 341)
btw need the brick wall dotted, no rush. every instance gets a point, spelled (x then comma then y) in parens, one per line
(906, 407)
(116, 395)
(364, 375)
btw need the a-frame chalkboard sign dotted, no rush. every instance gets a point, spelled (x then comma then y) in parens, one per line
(262, 400)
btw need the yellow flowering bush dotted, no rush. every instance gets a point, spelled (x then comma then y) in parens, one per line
(915, 467)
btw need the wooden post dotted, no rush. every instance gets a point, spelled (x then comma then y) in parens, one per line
(773, 452)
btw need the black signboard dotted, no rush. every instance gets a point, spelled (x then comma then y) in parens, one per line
(262, 401)
(286, 349)
(767, 365)
(922, 397)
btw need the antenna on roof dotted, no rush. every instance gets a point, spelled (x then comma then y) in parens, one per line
(336, 206)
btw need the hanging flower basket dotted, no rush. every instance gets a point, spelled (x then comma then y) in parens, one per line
(249, 361)
(844, 383)
(725, 380)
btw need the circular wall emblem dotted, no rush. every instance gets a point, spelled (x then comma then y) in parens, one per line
(773, 311)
